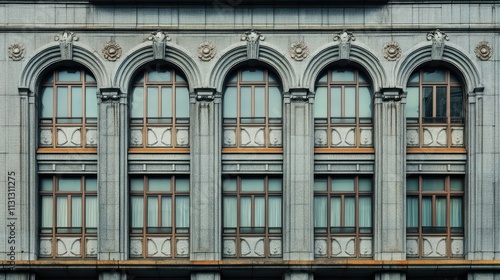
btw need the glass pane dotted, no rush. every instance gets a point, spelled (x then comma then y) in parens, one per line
(137, 101)
(320, 184)
(69, 184)
(260, 102)
(412, 184)
(90, 102)
(162, 75)
(412, 211)
(182, 184)
(350, 102)
(412, 102)
(275, 102)
(456, 102)
(274, 184)
(89, 78)
(166, 102)
(274, 211)
(230, 211)
(272, 78)
(76, 102)
(336, 102)
(259, 211)
(252, 76)
(47, 109)
(342, 184)
(152, 211)
(159, 184)
(153, 102)
(426, 211)
(427, 103)
(362, 78)
(182, 212)
(230, 103)
(456, 212)
(91, 208)
(320, 103)
(62, 102)
(68, 76)
(441, 102)
(90, 184)
(456, 184)
(349, 211)
(454, 78)
(47, 210)
(245, 211)
(343, 75)
(46, 184)
(179, 78)
(136, 184)
(166, 211)
(62, 211)
(335, 211)
(365, 102)
(434, 75)
(323, 79)
(365, 211)
(76, 211)
(252, 184)
(136, 209)
(441, 211)
(415, 77)
(320, 211)
(49, 78)
(233, 79)
(364, 185)
(246, 102)
(181, 102)
(433, 184)
(229, 184)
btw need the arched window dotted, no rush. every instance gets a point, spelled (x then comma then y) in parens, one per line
(68, 109)
(343, 109)
(435, 109)
(159, 109)
(252, 110)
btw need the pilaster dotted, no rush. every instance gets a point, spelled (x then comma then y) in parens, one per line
(205, 142)
(390, 180)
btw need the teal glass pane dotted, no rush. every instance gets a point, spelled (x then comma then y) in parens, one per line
(179, 78)
(412, 102)
(45, 184)
(229, 210)
(166, 211)
(90, 102)
(433, 184)
(182, 212)
(456, 102)
(415, 77)
(350, 102)
(153, 102)
(412, 184)
(362, 78)
(412, 211)
(166, 102)
(137, 211)
(365, 211)
(349, 211)
(229, 103)
(252, 76)
(181, 102)
(456, 184)
(252, 184)
(441, 211)
(320, 211)
(454, 78)
(62, 102)
(47, 211)
(260, 102)
(441, 102)
(274, 212)
(91, 211)
(426, 211)
(321, 103)
(89, 78)
(90, 184)
(259, 211)
(336, 102)
(76, 211)
(245, 211)
(136, 184)
(342, 184)
(456, 212)
(365, 102)
(323, 79)
(229, 184)
(272, 78)
(76, 102)
(69, 184)
(153, 211)
(182, 184)
(434, 76)
(47, 108)
(343, 75)
(62, 211)
(335, 211)
(246, 102)
(427, 102)
(364, 185)
(69, 76)
(275, 102)
(137, 106)
(320, 184)
(274, 184)
(161, 184)
(159, 76)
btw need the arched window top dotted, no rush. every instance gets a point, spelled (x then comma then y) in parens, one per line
(343, 75)
(428, 75)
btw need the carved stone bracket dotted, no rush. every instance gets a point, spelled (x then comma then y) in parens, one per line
(112, 51)
(16, 52)
(253, 38)
(299, 95)
(391, 94)
(206, 51)
(159, 39)
(299, 51)
(66, 39)
(483, 50)
(345, 38)
(109, 94)
(392, 51)
(438, 39)
(205, 94)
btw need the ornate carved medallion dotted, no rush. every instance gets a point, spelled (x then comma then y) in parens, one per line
(112, 51)
(16, 52)
(206, 51)
(483, 50)
(392, 51)
(299, 51)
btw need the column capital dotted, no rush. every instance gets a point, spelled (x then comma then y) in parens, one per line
(109, 94)
(205, 94)
(391, 94)
(299, 95)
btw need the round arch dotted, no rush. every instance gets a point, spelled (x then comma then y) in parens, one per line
(328, 55)
(143, 54)
(50, 55)
(421, 54)
(237, 54)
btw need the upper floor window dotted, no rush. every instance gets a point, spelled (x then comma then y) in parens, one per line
(435, 109)
(342, 216)
(159, 109)
(68, 216)
(159, 212)
(343, 109)
(252, 216)
(68, 109)
(252, 110)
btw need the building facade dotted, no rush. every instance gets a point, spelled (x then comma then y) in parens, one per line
(244, 140)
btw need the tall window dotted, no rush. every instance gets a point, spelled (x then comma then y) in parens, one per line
(435, 109)
(68, 109)
(252, 214)
(68, 219)
(159, 211)
(159, 110)
(434, 209)
(342, 208)
(343, 109)
(252, 110)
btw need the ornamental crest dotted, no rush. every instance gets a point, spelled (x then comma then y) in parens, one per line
(66, 39)
(253, 38)
(16, 52)
(392, 51)
(299, 51)
(438, 39)
(111, 51)
(206, 51)
(483, 50)
(345, 38)
(159, 39)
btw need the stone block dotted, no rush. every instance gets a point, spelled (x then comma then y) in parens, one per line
(147, 16)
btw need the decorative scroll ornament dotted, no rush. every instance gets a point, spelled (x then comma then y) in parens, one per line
(252, 37)
(345, 38)
(112, 51)
(66, 39)
(438, 39)
(206, 51)
(159, 39)
(299, 51)
(392, 51)
(483, 50)
(16, 52)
